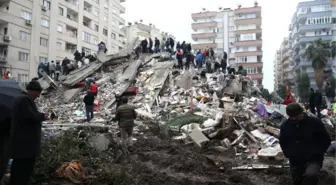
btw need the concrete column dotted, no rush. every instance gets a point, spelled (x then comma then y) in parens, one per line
(35, 39)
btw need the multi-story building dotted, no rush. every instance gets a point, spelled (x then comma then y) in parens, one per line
(237, 32)
(312, 20)
(140, 30)
(34, 31)
(333, 18)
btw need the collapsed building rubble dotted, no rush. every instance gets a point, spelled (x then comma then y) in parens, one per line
(215, 111)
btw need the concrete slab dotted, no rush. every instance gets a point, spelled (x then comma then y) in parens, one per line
(80, 74)
(71, 94)
(198, 137)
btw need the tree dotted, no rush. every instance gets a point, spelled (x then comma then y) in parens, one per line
(303, 86)
(318, 52)
(281, 91)
(265, 94)
(333, 49)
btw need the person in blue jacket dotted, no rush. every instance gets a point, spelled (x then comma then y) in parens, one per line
(199, 60)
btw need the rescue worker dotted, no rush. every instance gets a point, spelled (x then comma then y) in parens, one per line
(303, 140)
(125, 116)
(199, 60)
(52, 69)
(58, 69)
(94, 88)
(241, 71)
(25, 138)
(150, 48)
(171, 43)
(65, 63)
(223, 65)
(144, 44)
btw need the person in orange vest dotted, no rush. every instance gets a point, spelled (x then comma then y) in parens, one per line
(94, 89)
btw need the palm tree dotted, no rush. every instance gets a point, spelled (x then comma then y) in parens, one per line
(318, 52)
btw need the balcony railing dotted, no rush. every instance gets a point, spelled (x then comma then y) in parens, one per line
(74, 2)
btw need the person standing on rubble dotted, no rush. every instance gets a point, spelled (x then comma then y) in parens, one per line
(89, 105)
(150, 47)
(156, 45)
(318, 102)
(125, 116)
(65, 63)
(94, 88)
(25, 137)
(303, 140)
(223, 65)
(312, 101)
(137, 52)
(179, 57)
(58, 69)
(199, 60)
(52, 69)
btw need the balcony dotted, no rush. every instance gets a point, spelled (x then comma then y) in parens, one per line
(256, 21)
(250, 64)
(313, 27)
(72, 18)
(196, 26)
(203, 46)
(248, 53)
(256, 76)
(70, 48)
(305, 39)
(120, 8)
(203, 35)
(247, 10)
(303, 17)
(239, 32)
(72, 4)
(202, 15)
(248, 43)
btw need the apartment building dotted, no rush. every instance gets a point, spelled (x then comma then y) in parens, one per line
(333, 18)
(237, 32)
(140, 30)
(312, 20)
(34, 31)
(284, 65)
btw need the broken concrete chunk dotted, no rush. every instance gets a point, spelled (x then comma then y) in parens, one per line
(198, 137)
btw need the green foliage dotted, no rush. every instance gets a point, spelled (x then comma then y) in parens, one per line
(303, 86)
(282, 91)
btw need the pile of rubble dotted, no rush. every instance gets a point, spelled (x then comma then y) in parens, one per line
(215, 111)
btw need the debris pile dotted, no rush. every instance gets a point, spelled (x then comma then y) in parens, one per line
(223, 115)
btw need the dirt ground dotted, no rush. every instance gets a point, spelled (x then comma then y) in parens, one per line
(155, 161)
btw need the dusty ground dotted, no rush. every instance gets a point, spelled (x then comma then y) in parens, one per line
(155, 161)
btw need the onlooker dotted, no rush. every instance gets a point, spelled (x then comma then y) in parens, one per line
(89, 104)
(125, 116)
(26, 127)
(303, 140)
(52, 69)
(318, 102)
(94, 88)
(312, 101)
(179, 57)
(58, 69)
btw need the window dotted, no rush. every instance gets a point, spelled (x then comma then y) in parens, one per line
(87, 51)
(45, 23)
(24, 36)
(95, 12)
(43, 42)
(96, 27)
(113, 35)
(105, 32)
(94, 40)
(23, 57)
(252, 70)
(22, 78)
(106, 4)
(60, 11)
(105, 18)
(59, 45)
(43, 60)
(46, 3)
(86, 37)
(59, 28)
(26, 15)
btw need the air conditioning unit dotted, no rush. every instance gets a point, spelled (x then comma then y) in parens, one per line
(44, 8)
(28, 22)
(7, 38)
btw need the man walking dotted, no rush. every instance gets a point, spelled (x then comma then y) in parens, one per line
(304, 140)
(89, 104)
(125, 116)
(26, 127)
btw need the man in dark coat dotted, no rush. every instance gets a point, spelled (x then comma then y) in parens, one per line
(312, 101)
(156, 45)
(144, 44)
(26, 127)
(77, 56)
(125, 116)
(223, 65)
(318, 102)
(178, 46)
(172, 43)
(303, 140)
(4, 141)
(65, 63)
(150, 47)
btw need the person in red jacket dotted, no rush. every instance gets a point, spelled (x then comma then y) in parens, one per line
(289, 99)
(94, 89)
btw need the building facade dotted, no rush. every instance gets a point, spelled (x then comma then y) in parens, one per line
(140, 30)
(39, 31)
(312, 20)
(333, 18)
(237, 32)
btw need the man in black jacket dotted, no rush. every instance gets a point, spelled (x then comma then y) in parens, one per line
(4, 141)
(312, 100)
(156, 45)
(303, 140)
(26, 127)
(318, 102)
(89, 105)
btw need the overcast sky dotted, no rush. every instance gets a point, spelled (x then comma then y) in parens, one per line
(174, 16)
